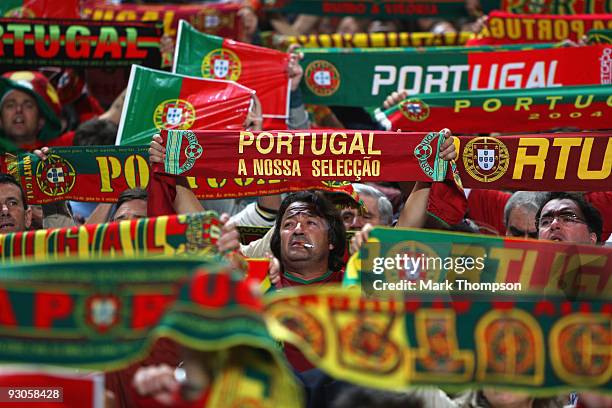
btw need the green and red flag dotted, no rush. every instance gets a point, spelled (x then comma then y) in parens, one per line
(220, 19)
(29, 43)
(158, 100)
(507, 110)
(507, 28)
(40, 8)
(365, 77)
(261, 69)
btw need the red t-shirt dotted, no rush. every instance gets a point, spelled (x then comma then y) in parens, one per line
(486, 208)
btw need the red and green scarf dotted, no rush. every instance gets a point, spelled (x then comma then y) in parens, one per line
(507, 28)
(543, 347)
(107, 314)
(35, 42)
(211, 18)
(507, 110)
(359, 77)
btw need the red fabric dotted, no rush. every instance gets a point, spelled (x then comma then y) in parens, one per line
(486, 207)
(602, 200)
(65, 139)
(161, 193)
(447, 202)
(164, 351)
(88, 108)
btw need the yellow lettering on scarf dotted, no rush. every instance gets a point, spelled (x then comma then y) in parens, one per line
(566, 144)
(538, 160)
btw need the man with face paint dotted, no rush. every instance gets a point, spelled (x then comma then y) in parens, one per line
(309, 240)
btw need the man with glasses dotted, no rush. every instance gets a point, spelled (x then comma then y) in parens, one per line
(567, 217)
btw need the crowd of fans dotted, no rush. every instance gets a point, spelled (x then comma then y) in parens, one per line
(307, 240)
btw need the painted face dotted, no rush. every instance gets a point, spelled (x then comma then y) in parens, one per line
(521, 223)
(355, 221)
(304, 236)
(20, 118)
(131, 210)
(562, 220)
(13, 216)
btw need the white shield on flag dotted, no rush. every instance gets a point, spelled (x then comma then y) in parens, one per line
(103, 311)
(322, 78)
(173, 116)
(486, 158)
(221, 67)
(55, 175)
(211, 21)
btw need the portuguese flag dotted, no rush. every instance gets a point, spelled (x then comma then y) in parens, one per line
(261, 69)
(508, 110)
(40, 8)
(158, 100)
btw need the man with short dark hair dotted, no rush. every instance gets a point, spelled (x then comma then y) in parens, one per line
(309, 240)
(568, 217)
(132, 205)
(15, 215)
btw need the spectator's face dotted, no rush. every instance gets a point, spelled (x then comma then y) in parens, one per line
(13, 216)
(354, 221)
(131, 210)
(20, 117)
(562, 220)
(521, 223)
(304, 237)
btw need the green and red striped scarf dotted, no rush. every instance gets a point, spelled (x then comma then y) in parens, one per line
(507, 110)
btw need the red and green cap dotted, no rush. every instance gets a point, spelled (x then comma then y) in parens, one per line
(36, 84)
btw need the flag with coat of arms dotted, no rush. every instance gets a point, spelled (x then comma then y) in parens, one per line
(158, 100)
(262, 69)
